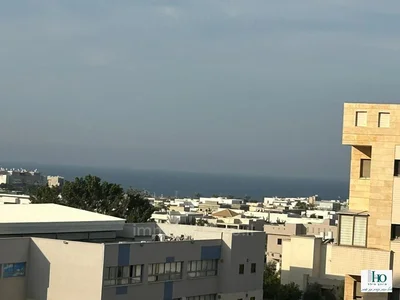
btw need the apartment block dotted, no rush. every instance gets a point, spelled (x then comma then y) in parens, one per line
(278, 233)
(53, 252)
(369, 230)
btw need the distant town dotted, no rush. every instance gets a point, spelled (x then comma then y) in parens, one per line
(279, 217)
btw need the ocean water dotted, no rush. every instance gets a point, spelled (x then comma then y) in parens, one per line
(185, 184)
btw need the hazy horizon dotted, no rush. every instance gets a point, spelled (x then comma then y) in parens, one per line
(236, 87)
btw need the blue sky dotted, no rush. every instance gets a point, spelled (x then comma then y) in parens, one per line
(251, 87)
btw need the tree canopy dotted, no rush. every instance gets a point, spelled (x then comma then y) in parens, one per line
(274, 290)
(92, 194)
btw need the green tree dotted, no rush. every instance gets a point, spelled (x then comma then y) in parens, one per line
(301, 205)
(197, 196)
(272, 281)
(274, 290)
(136, 207)
(45, 194)
(93, 194)
(6, 186)
(289, 291)
(313, 292)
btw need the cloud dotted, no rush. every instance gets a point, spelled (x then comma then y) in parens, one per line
(208, 74)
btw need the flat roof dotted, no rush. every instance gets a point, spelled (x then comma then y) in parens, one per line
(53, 218)
(49, 212)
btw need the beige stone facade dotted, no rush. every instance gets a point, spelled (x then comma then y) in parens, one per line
(369, 232)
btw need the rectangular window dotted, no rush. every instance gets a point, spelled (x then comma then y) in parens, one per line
(253, 268)
(123, 275)
(252, 298)
(203, 297)
(165, 271)
(346, 230)
(360, 231)
(353, 231)
(279, 241)
(361, 118)
(241, 269)
(202, 268)
(384, 120)
(395, 232)
(365, 168)
(397, 167)
(14, 270)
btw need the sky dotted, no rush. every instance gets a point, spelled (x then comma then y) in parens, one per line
(244, 87)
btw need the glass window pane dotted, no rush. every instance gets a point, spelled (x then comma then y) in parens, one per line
(173, 267)
(125, 272)
(210, 264)
(193, 264)
(167, 267)
(198, 267)
(150, 269)
(120, 272)
(112, 273)
(204, 265)
(138, 270)
(161, 269)
(179, 267)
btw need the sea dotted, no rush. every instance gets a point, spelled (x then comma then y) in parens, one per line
(188, 184)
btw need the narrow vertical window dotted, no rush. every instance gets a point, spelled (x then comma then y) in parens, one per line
(397, 167)
(365, 168)
(241, 269)
(346, 230)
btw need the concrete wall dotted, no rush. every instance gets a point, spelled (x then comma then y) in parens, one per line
(160, 252)
(343, 260)
(242, 249)
(274, 250)
(396, 201)
(14, 251)
(65, 270)
(234, 249)
(301, 256)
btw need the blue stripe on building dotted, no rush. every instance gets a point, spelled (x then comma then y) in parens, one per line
(170, 259)
(210, 252)
(124, 254)
(168, 290)
(121, 290)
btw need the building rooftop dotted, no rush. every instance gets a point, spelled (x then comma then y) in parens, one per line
(39, 218)
(225, 213)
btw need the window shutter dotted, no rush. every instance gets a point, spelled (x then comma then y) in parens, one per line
(346, 230)
(384, 119)
(360, 231)
(361, 118)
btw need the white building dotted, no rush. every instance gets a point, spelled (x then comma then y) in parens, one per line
(56, 252)
(14, 199)
(22, 177)
(221, 200)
